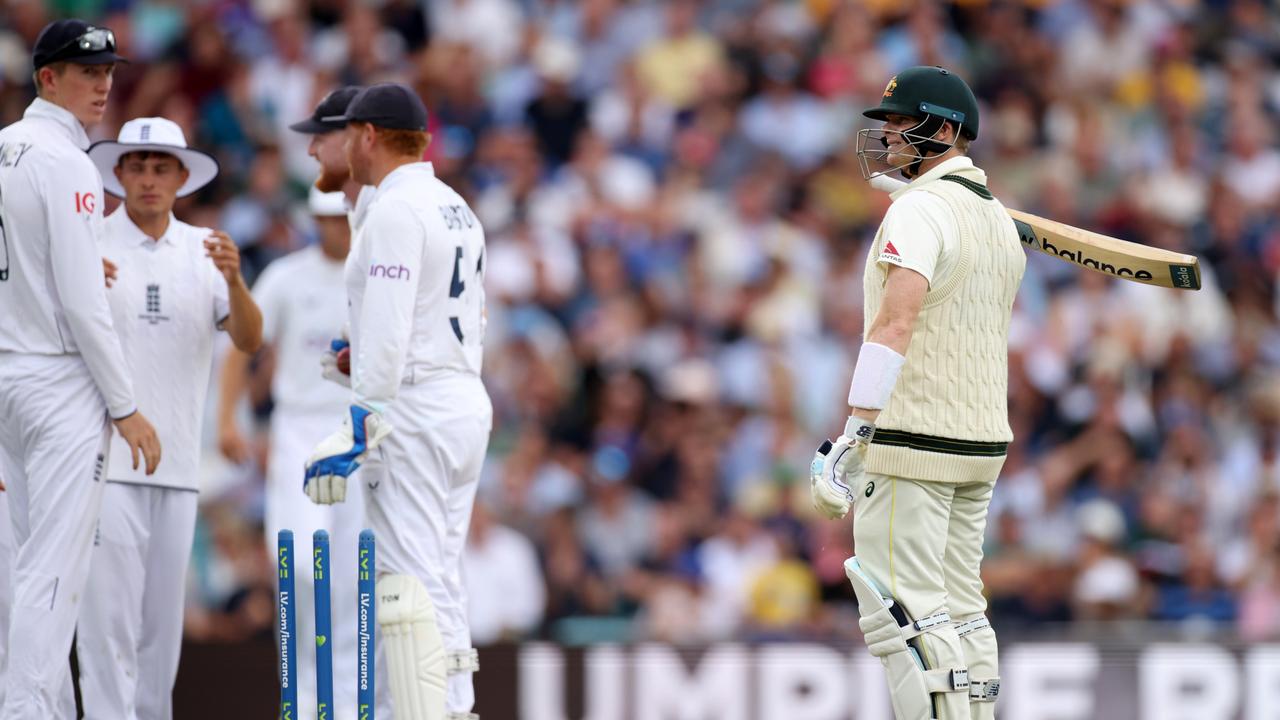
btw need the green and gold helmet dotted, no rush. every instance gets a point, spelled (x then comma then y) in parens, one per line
(931, 97)
(923, 92)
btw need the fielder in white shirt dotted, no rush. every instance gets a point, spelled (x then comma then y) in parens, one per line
(420, 417)
(62, 373)
(299, 319)
(176, 286)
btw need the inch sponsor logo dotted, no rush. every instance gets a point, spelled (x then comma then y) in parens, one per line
(391, 272)
(86, 203)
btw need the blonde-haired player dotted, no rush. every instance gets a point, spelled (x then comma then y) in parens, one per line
(928, 425)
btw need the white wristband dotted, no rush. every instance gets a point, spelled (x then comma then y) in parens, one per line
(874, 376)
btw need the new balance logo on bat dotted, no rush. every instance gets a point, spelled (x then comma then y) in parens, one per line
(1029, 238)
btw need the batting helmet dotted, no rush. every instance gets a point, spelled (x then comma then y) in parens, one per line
(930, 92)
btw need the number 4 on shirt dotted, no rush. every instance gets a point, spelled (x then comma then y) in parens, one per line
(456, 286)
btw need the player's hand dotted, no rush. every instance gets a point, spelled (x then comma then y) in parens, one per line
(232, 445)
(338, 455)
(109, 271)
(837, 468)
(141, 436)
(335, 364)
(225, 255)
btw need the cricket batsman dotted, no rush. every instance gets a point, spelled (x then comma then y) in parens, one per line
(928, 426)
(419, 417)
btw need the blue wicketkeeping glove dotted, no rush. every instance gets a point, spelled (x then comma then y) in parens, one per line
(338, 455)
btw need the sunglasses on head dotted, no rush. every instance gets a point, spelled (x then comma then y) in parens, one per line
(94, 39)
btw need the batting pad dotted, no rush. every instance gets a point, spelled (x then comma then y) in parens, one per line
(416, 659)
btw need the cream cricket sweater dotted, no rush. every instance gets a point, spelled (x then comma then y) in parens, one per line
(948, 417)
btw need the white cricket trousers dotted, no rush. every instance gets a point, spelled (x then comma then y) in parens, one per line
(294, 435)
(922, 542)
(130, 633)
(67, 695)
(54, 432)
(419, 487)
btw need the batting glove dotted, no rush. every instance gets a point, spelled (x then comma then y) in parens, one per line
(837, 467)
(329, 363)
(338, 455)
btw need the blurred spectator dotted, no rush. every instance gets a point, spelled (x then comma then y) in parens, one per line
(1107, 586)
(617, 521)
(676, 66)
(556, 115)
(506, 596)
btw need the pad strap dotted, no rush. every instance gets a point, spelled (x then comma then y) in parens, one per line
(984, 690)
(463, 661)
(945, 680)
(973, 625)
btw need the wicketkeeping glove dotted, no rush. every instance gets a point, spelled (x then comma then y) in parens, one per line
(837, 468)
(338, 455)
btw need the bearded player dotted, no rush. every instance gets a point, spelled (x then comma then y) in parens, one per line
(299, 323)
(419, 417)
(928, 426)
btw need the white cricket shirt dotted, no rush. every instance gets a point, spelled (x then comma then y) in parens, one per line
(167, 303)
(415, 281)
(356, 213)
(303, 308)
(52, 292)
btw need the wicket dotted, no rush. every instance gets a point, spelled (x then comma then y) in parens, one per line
(287, 609)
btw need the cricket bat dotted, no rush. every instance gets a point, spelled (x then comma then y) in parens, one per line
(1095, 251)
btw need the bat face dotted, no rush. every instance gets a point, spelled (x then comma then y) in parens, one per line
(1108, 255)
(1175, 271)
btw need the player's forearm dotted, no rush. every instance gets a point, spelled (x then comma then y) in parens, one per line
(376, 371)
(378, 358)
(231, 386)
(244, 323)
(887, 342)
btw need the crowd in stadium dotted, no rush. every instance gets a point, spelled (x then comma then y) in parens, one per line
(677, 225)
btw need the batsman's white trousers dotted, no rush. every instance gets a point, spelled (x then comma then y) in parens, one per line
(54, 431)
(420, 485)
(922, 542)
(294, 435)
(130, 633)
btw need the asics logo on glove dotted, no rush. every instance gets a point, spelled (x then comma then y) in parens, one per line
(838, 466)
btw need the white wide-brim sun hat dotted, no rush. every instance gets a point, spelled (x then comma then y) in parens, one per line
(154, 135)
